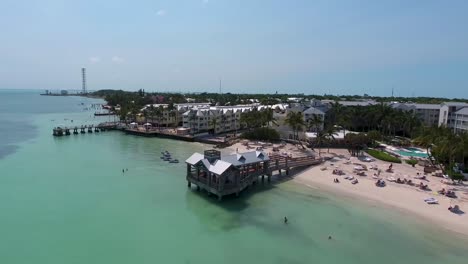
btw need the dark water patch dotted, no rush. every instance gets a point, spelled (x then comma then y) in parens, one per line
(13, 132)
(7, 150)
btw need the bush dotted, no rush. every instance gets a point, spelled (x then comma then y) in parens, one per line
(383, 156)
(411, 162)
(455, 175)
(262, 133)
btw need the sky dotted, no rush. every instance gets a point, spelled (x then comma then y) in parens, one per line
(416, 48)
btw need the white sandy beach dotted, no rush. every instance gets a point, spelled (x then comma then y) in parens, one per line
(409, 199)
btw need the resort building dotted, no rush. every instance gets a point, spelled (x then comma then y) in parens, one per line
(352, 103)
(227, 174)
(460, 121)
(428, 113)
(312, 114)
(214, 119)
(449, 114)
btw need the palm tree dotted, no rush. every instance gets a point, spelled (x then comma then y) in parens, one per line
(173, 115)
(336, 111)
(330, 134)
(192, 118)
(315, 122)
(159, 113)
(268, 117)
(295, 121)
(151, 113)
(213, 123)
(320, 139)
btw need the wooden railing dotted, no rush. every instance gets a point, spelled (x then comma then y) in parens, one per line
(278, 162)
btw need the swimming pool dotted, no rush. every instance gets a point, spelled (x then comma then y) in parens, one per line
(413, 149)
(415, 152)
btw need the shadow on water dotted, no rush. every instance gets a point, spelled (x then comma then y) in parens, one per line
(7, 150)
(12, 133)
(234, 213)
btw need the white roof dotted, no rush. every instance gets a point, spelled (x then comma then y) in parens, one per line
(313, 110)
(463, 111)
(455, 103)
(427, 106)
(195, 158)
(246, 158)
(220, 167)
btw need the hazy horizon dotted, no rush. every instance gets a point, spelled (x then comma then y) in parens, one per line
(418, 48)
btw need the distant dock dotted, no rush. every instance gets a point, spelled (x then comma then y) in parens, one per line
(83, 129)
(65, 93)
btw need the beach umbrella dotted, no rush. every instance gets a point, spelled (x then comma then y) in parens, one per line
(147, 124)
(133, 123)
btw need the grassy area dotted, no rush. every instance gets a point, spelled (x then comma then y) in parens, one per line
(383, 156)
(411, 162)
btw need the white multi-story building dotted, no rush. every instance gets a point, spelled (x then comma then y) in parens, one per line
(460, 123)
(449, 114)
(161, 116)
(201, 119)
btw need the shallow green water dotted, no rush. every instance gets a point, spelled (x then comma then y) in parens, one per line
(66, 200)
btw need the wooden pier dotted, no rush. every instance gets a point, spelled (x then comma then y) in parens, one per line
(83, 129)
(232, 174)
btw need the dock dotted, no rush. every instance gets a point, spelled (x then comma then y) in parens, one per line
(83, 129)
(231, 174)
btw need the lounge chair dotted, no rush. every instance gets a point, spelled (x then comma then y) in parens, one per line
(431, 200)
(451, 194)
(455, 209)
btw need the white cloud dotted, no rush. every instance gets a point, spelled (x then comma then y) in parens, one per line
(94, 60)
(117, 59)
(161, 12)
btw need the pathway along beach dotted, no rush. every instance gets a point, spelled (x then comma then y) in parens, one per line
(66, 200)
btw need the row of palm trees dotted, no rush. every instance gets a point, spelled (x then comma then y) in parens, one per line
(150, 114)
(295, 120)
(445, 147)
(258, 118)
(381, 117)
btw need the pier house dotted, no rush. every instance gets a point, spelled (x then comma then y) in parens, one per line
(229, 174)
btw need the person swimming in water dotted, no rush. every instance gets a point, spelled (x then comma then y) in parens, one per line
(285, 220)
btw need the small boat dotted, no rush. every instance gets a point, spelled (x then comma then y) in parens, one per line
(174, 161)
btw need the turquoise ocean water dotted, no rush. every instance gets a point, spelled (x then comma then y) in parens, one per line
(66, 200)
